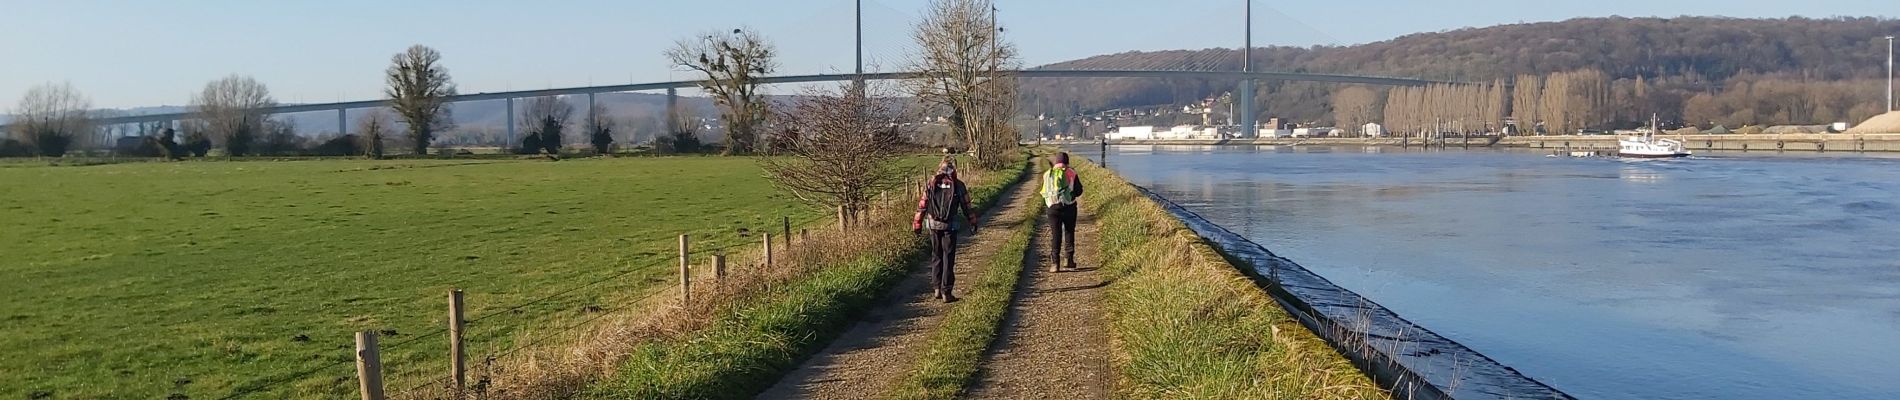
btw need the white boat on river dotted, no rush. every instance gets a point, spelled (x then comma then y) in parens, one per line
(1647, 145)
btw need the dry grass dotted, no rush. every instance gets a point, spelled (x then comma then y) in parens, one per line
(579, 364)
(1186, 324)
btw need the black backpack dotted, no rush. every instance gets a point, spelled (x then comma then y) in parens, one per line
(941, 201)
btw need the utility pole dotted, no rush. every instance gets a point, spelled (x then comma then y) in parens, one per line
(1246, 84)
(857, 82)
(994, 48)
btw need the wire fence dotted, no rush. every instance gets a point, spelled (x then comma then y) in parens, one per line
(540, 338)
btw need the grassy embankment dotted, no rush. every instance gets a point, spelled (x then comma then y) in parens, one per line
(955, 350)
(1186, 324)
(207, 279)
(743, 348)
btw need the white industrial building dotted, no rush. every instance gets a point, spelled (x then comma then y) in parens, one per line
(1131, 133)
(1373, 129)
(1189, 132)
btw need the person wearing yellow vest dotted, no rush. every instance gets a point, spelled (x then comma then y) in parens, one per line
(1060, 187)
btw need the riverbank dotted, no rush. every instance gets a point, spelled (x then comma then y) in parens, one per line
(1832, 142)
(1185, 323)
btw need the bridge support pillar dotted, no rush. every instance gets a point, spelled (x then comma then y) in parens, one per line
(511, 124)
(591, 121)
(672, 109)
(342, 126)
(1248, 121)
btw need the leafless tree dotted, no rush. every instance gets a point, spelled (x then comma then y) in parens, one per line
(600, 129)
(373, 130)
(230, 110)
(51, 118)
(839, 147)
(961, 60)
(1354, 107)
(418, 88)
(545, 119)
(733, 63)
(1525, 95)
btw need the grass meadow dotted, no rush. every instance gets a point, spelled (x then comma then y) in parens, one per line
(214, 279)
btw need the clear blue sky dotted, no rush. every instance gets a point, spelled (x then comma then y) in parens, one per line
(145, 53)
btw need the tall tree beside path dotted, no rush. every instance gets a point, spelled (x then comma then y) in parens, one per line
(418, 89)
(51, 117)
(230, 110)
(961, 61)
(839, 148)
(732, 62)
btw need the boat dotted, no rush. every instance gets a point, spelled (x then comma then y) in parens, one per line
(1647, 145)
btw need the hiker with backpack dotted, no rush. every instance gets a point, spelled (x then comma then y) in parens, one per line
(1060, 187)
(944, 200)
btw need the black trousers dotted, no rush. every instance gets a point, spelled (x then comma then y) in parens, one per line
(943, 259)
(1062, 234)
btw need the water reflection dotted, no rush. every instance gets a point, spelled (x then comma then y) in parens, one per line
(1754, 277)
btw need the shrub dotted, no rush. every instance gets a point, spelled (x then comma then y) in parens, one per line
(681, 141)
(10, 147)
(197, 143)
(345, 145)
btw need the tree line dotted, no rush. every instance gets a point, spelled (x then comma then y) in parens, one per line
(1745, 72)
(837, 146)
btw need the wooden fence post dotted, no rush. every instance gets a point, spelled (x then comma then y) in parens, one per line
(458, 369)
(686, 274)
(719, 267)
(369, 366)
(768, 249)
(804, 236)
(842, 225)
(788, 232)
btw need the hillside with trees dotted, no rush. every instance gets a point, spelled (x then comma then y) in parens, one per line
(1610, 72)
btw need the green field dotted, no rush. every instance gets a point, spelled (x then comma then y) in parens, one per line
(208, 279)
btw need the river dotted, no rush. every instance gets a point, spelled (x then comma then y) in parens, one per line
(1733, 276)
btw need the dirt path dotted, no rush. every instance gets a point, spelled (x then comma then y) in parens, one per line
(868, 358)
(1054, 343)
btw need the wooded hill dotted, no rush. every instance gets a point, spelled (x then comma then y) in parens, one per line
(1694, 70)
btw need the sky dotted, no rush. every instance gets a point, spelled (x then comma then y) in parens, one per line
(131, 53)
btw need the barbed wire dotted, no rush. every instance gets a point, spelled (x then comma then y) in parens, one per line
(602, 314)
(254, 388)
(544, 299)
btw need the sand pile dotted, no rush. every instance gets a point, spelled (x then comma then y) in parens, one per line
(1883, 123)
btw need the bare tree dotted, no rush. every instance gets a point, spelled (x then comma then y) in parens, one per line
(418, 87)
(230, 110)
(961, 60)
(51, 118)
(839, 147)
(733, 63)
(1525, 95)
(1354, 106)
(600, 129)
(373, 130)
(545, 119)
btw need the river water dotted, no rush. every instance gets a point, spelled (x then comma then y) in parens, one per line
(1731, 276)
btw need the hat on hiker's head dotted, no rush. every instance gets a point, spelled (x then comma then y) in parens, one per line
(1062, 157)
